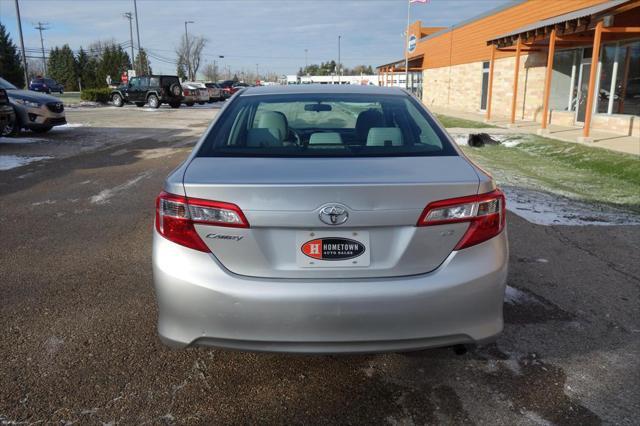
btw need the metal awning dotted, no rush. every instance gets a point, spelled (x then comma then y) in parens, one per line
(400, 63)
(571, 17)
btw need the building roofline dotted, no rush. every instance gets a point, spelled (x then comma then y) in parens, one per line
(473, 19)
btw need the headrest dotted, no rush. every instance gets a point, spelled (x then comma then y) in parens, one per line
(325, 138)
(276, 122)
(262, 137)
(384, 136)
(366, 120)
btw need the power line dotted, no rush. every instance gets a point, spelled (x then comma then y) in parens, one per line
(42, 27)
(129, 16)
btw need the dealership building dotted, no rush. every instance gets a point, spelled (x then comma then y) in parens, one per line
(570, 63)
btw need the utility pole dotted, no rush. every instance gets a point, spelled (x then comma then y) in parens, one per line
(42, 26)
(135, 11)
(306, 61)
(406, 48)
(129, 16)
(188, 54)
(339, 65)
(24, 56)
(215, 68)
(257, 73)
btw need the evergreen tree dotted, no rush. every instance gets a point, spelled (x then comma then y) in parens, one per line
(142, 64)
(62, 67)
(114, 61)
(182, 73)
(10, 66)
(85, 70)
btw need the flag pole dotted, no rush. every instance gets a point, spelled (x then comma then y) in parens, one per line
(406, 47)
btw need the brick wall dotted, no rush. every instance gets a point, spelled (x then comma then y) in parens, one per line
(459, 87)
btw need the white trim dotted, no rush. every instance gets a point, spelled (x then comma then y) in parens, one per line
(614, 77)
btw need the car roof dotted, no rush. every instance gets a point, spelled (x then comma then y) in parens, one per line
(348, 89)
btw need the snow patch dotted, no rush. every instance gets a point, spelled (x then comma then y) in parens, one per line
(149, 154)
(21, 140)
(69, 126)
(543, 208)
(40, 203)
(105, 195)
(514, 296)
(8, 162)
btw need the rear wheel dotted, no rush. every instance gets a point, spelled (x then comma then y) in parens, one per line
(139, 104)
(153, 100)
(190, 104)
(201, 103)
(117, 100)
(174, 104)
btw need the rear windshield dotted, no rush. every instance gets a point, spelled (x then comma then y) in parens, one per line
(168, 81)
(325, 125)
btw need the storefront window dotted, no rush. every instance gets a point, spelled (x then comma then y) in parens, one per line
(561, 82)
(628, 90)
(620, 75)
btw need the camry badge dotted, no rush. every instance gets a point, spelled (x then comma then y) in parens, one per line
(334, 214)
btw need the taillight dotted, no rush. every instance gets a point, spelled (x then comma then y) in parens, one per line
(176, 216)
(484, 212)
(186, 92)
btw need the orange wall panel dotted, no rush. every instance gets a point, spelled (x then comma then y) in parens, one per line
(468, 43)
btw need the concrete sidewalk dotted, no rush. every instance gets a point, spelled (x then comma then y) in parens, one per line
(607, 140)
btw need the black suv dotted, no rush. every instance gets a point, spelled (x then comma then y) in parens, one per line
(152, 89)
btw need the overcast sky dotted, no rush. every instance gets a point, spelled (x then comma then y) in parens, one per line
(270, 33)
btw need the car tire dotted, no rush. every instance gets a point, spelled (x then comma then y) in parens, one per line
(175, 90)
(13, 128)
(201, 103)
(190, 104)
(153, 101)
(139, 104)
(117, 100)
(174, 104)
(62, 92)
(42, 129)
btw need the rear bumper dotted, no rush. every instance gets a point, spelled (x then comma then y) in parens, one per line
(200, 303)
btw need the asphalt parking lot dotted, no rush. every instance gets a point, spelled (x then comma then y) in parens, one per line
(78, 340)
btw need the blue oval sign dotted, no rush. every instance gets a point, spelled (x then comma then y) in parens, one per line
(412, 43)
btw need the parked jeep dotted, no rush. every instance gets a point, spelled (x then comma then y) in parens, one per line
(153, 90)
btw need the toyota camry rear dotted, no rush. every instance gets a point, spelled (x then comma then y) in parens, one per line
(328, 219)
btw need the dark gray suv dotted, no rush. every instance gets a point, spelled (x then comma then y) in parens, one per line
(34, 111)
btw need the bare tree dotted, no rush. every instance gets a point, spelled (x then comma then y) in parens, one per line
(210, 72)
(190, 54)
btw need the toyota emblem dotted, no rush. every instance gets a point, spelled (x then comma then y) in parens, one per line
(334, 214)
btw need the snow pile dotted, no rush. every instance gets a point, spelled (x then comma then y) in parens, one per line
(508, 141)
(69, 126)
(8, 162)
(544, 208)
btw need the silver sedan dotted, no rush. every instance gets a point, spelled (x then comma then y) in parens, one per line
(325, 219)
